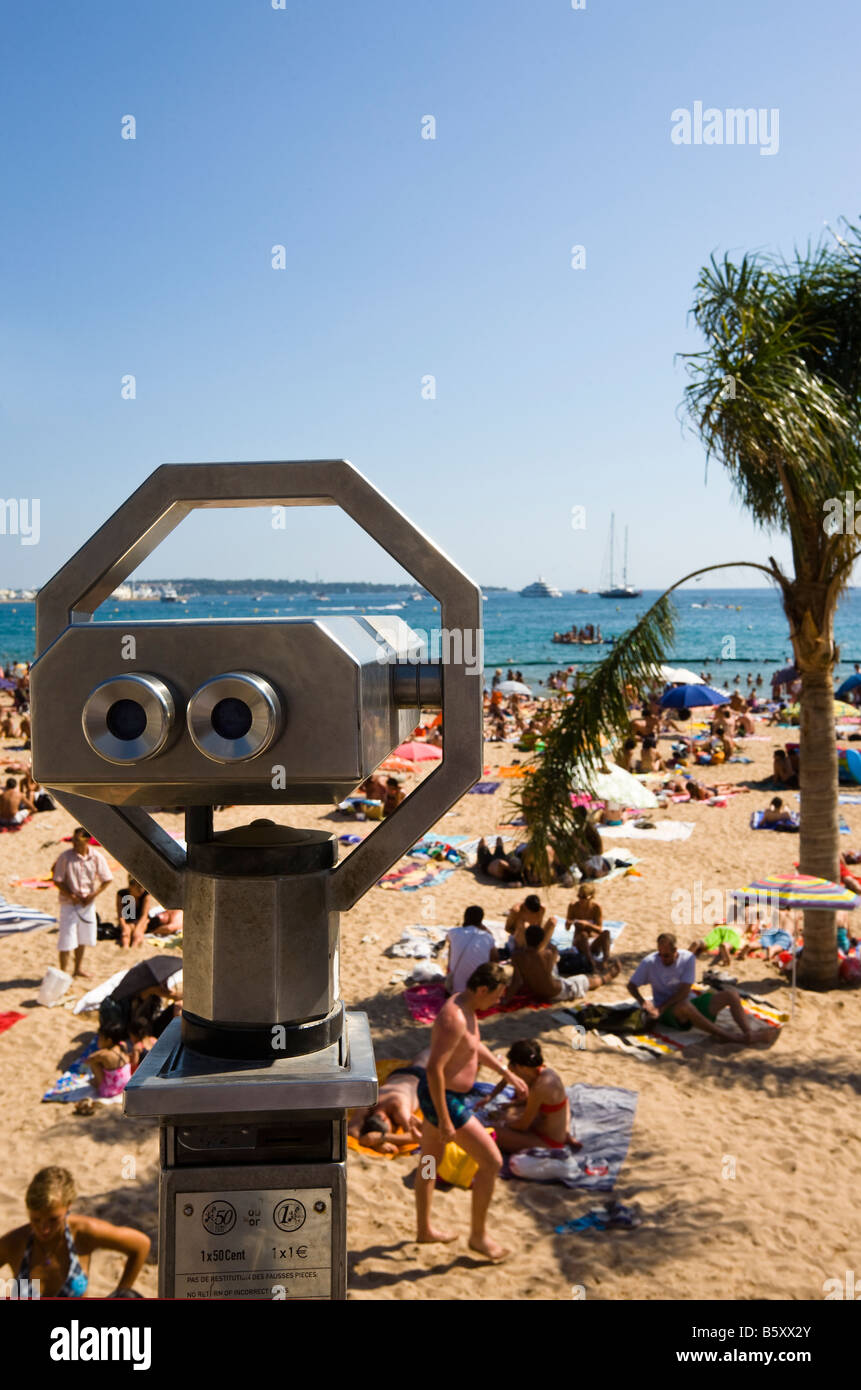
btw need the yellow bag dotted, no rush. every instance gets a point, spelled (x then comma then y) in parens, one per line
(457, 1167)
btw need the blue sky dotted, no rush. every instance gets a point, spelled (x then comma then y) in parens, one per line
(404, 257)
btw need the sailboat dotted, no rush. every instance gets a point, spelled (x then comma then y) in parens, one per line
(625, 590)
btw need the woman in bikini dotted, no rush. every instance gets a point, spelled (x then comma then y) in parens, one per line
(54, 1248)
(543, 1120)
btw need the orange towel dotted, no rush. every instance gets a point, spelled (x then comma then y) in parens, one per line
(385, 1066)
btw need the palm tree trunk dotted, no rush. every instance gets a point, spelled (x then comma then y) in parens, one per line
(820, 842)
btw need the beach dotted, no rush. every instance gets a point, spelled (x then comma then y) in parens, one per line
(742, 1162)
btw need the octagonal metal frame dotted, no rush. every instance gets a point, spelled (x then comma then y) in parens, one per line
(147, 517)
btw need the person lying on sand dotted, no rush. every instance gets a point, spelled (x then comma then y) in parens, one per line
(543, 1121)
(501, 864)
(536, 971)
(456, 1053)
(671, 972)
(375, 1126)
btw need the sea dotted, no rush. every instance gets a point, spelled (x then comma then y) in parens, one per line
(724, 632)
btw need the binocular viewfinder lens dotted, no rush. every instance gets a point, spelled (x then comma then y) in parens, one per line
(233, 717)
(128, 718)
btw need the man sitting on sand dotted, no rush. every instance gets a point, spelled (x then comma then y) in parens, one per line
(469, 946)
(376, 1126)
(536, 973)
(671, 972)
(777, 814)
(544, 1121)
(586, 920)
(528, 913)
(456, 1052)
(15, 807)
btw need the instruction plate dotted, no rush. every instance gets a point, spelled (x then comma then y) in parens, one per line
(269, 1244)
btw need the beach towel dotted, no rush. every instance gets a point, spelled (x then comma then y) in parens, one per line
(663, 830)
(15, 919)
(562, 936)
(516, 771)
(793, 826)
(602, 1118)
(7, 1020)
(76, 1082)
(385, 1066)
(32, 883)
(418, 942)
(424, 1001)
(665, 1042)
(410, 877)
(484, 788)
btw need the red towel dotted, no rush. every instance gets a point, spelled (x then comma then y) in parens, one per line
(6, 1020)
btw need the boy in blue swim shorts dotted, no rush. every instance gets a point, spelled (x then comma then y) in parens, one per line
(456, 1053)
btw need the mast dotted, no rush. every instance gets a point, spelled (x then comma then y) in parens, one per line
(612, 539)
(625, 566)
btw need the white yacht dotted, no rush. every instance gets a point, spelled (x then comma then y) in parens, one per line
(540, 589)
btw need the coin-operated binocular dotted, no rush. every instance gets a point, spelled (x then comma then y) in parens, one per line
(252, 1085)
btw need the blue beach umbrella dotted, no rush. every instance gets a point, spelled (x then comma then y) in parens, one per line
(851, 683)
(688, 696)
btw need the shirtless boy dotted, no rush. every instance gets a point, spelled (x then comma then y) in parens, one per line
(376, 1126)
(456, 1053)
(529, 913)
(15, 807)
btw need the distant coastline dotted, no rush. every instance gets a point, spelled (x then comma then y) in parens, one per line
(198, 587)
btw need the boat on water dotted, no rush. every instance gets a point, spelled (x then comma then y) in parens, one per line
(540, 589)
(623, 590)
(169, 595)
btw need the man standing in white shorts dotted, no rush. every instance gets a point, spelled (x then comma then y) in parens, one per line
(81, 874)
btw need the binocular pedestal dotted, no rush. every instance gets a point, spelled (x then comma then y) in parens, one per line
(252, 1187)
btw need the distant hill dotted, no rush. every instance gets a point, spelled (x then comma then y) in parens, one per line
(293, 586)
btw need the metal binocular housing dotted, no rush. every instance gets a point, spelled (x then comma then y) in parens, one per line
(259, 712)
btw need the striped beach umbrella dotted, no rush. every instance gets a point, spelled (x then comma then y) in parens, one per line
(801, 892)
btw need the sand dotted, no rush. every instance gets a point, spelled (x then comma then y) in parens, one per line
(782, 1119)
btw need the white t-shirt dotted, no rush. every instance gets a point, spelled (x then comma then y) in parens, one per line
(470, 947)
(665, 979)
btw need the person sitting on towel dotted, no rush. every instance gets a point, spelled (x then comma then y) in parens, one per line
(585, 919)
(536, 973)
(133, 904)
(375, 1126)
(15, 806)
(777, 814)
(468, 947)
(529, 913)
(543, 1120)
(671, 972)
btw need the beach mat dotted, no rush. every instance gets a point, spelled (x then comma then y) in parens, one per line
(667, 1042)
(663, 830)
(385, 1066)
(484, 788)
(515, 771)
(602, 1119)
(793, 826)
(76, 1082)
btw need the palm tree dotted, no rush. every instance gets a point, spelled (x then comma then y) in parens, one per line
(775, 396)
